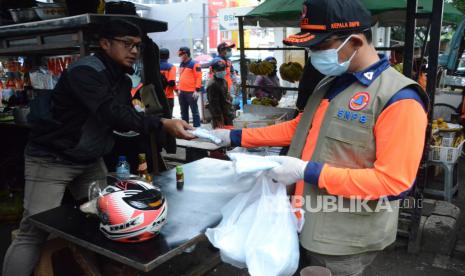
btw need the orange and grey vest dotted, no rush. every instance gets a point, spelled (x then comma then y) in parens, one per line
(346, 140)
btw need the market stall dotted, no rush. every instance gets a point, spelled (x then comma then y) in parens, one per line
(52, 45)
(273, 13)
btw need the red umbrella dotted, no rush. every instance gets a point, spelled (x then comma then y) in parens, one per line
(203, 59)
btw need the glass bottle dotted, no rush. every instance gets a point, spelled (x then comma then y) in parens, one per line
(142, 168)
(179, 178)
(123, 169)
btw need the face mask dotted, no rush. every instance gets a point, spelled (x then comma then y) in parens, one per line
(183, 58)
(220, 74)
(327, 61)
(228, 54)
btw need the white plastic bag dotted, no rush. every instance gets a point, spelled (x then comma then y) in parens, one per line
(258, 231)
(248, 163)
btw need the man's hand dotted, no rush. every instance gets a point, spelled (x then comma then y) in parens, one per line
(196, 95)
(223, 134)
(178, 128)
(289, 172)
(219, 124)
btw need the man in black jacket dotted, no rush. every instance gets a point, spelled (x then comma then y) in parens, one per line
(91, 99)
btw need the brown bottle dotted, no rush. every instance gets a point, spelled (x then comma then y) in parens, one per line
(142, 168)
(179, 177)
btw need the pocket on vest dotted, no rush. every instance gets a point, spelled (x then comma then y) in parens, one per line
(358, 229)
(345, 144)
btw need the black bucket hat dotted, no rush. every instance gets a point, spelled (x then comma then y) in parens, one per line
(322, 18)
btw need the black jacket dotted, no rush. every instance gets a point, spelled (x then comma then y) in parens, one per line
(91, 99)
(219, 102)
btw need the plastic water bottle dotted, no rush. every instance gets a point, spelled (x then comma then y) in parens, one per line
(122, 169)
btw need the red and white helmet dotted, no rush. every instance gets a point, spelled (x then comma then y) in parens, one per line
(131, 210)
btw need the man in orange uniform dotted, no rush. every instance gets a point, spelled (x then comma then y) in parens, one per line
(168, 72)
(190, 83)
(224, 53)
(358, 142)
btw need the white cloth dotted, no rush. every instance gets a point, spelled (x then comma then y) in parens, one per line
(248, 163)
(224, 135)
(204, 133)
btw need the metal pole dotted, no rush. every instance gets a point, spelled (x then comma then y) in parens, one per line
(82, 44)
(274, 49)
(306, 56)
(189, 19)
(204, 18)
(422, 177)
(410, 27)
(433, 49)
(423, 51)
(242, 61)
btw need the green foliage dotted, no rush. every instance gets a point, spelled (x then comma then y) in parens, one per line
(459, 4)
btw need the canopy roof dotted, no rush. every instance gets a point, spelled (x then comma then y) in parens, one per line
(286, 13)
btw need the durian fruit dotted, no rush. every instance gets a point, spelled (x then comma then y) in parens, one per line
(265, 101)
(291, 71)
(253, 68)
(443, 125)
(256, 101)
(261, 67)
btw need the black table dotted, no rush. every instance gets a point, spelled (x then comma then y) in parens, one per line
(209, 184)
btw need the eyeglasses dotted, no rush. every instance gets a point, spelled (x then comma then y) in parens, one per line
(129, 45)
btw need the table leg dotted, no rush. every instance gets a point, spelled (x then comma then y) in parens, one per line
(203, 268)
(128, 271)
(193, 154)
(45, 265)
(86, 260)
(448, 182)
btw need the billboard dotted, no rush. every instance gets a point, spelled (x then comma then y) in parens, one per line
(214, 6)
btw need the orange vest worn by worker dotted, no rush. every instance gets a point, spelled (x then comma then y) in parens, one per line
(190, 76)
(169, 71)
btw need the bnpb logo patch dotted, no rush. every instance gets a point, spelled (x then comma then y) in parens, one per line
(359, 101)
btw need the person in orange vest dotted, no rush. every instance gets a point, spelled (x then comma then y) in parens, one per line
(355, 149)
(168, 73)
(224, 53)
(190, 84)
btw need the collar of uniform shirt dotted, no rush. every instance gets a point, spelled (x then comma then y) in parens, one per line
(365, 77)
(185, 63)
